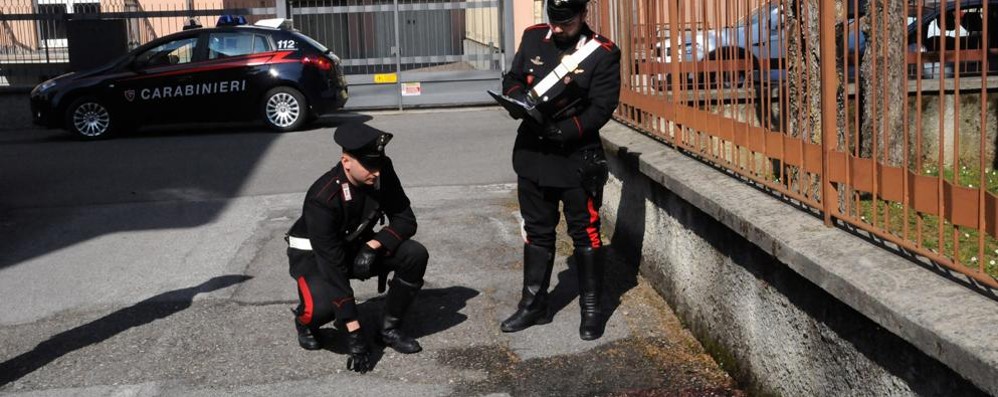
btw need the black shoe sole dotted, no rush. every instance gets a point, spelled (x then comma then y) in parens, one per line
(317, 346)
(381, 342)
(592, 333)
(405, 352)
(541, 321)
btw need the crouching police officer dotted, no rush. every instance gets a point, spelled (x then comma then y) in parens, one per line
(334, 241)
(571, 77)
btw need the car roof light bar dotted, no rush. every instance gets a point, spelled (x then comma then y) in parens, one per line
(276, 23)
(231, 20)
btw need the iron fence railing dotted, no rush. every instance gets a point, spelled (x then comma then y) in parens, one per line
(34, 41)
(877, 113)
(385, 36)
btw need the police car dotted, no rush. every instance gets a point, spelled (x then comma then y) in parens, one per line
(230, 72)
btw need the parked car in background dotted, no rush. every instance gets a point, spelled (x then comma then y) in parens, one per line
(942, 30)
(266, 72)
(757, 41)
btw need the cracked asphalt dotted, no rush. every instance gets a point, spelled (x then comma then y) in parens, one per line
(153, 264)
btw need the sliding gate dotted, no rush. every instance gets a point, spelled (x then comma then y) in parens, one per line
(410, 53)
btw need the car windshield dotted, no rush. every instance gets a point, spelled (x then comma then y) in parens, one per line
(758, 15)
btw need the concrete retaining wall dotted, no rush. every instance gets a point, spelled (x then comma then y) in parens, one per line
(788, 306)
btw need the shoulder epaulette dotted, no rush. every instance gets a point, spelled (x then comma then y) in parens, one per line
(331, 193)
(604, 42)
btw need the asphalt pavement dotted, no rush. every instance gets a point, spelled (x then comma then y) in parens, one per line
(154, 264)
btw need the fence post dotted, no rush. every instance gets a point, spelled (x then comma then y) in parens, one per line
(672, 134)
(507, 33)
(829, 106)
(282, 8)
(398, 55)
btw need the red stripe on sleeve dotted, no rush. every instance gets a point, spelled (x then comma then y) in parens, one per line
(397, 236)
(339, 302)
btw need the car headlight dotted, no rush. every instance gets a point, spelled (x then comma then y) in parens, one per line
(45, 86)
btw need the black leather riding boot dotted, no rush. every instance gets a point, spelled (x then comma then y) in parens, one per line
(400, 296)
(533, 307)
(590, 265)
(307, 336)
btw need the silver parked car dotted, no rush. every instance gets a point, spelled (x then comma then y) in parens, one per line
(759, 40)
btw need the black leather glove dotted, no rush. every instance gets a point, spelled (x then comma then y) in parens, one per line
(360, 357)
(363, 263)
(520, 95)
(523, 95)
(551, 132)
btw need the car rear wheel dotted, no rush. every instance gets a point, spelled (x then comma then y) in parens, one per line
(284, 109)
(88, 118)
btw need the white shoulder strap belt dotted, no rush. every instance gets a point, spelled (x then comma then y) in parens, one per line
(568, 65)
(299, 243)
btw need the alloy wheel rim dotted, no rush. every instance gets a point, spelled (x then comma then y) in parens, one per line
(283, 110)
(91, 119)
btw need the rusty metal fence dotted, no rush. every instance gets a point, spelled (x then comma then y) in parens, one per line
(880, 115)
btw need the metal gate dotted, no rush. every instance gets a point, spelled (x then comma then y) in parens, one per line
(410, 53)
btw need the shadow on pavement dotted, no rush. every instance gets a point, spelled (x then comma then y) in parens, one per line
(620, 276)
(328, 121)
(623, 254)
(46, 179)
(104, 328)
(435, 310)
(566, 290)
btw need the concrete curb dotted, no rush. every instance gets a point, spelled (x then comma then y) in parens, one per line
(947, 321)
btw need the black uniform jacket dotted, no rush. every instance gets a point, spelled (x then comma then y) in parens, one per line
(334, 209)
(596, 87)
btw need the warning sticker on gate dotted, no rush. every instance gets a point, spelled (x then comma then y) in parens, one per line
(412, 89)
(386, 78)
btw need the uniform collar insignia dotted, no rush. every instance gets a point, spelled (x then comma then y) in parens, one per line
(537, 61)
(346, 192)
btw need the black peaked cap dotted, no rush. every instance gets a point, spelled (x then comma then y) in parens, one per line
(563, 10)
(363, 142)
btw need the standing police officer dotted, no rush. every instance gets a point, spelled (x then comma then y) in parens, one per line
(571, 76)
(334, 240)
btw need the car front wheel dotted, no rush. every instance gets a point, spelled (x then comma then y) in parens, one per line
(284, 109)
(88, 118)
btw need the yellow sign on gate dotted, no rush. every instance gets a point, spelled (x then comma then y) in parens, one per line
(386, 78)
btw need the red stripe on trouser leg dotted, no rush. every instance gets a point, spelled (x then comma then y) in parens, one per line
(593, 220)
(306, 295)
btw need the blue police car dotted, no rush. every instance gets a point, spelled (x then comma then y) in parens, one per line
(227, 73)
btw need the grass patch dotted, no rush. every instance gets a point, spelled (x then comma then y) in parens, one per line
(962, 245)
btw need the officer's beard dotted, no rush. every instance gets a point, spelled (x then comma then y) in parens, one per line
(566, 41)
